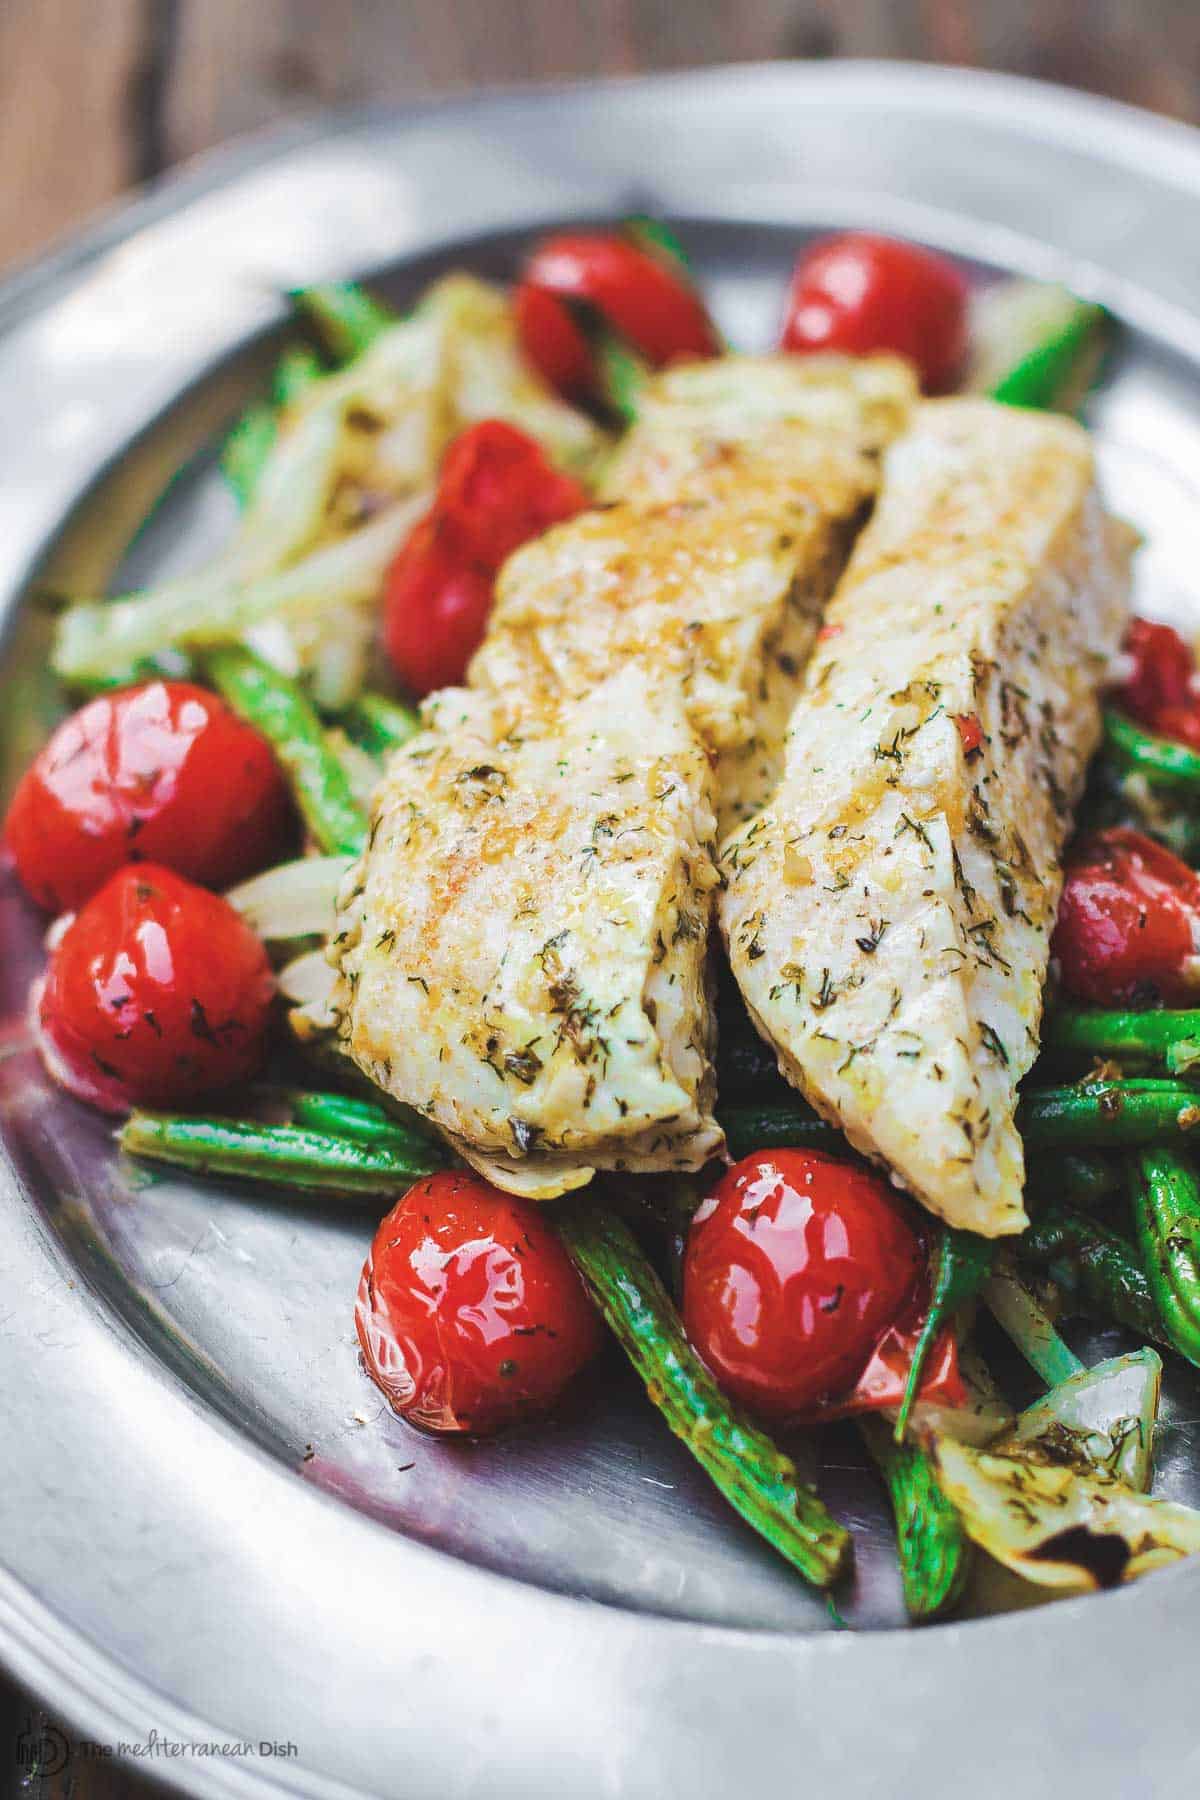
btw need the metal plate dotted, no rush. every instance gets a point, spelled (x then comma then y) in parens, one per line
(573, 1612)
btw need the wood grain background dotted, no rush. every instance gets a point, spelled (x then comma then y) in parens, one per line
(97, 96)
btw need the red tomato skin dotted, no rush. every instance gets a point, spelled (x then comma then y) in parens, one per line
(497, 489)
(553, 344)
(1128, 923)
(1160, 679)
(164, 773)
(1179, 723)
(795, 1268)
(156, 993)
(470, 1314)
(638, 296)
(435, 610)
(859, 293)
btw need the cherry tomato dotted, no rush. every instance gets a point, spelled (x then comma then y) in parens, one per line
(1160, 675)
(553, 343)
(470, 1314)
(497, 489)
(1160, 690)
(435, 610)
(859, 293)
(1128, 923)
(637, 295)
(164, 773)
(1179, 723)
(156, 993)
(795, 1269)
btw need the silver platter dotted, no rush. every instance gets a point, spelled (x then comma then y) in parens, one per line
(209, 1526)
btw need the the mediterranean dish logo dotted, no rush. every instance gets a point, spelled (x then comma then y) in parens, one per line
(45, 1750)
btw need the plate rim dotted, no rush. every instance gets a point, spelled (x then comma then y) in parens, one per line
(85, 1683)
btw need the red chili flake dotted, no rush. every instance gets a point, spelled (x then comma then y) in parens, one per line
(829, 631)
(970, 731)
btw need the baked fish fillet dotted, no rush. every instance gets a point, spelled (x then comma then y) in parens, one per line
(888, 913)
(523, 950)
(742, 485)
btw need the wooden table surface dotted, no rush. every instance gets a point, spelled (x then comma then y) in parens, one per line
(99, 95)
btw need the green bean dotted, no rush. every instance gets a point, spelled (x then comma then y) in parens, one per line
(1166, 1210)
(297, 370)
(347, 318)
(1160, 760)
(1171, 1038)
(1057, 372)
(653, 236)
(345, 1116)
(247, 448)
(379, 724)
(284, 1155)
(755, 1477)
(286, 718)
(1095, 1266)
(623, 375)
(960, 1265)
(935, 1552)
(750, 1128)
(252, 439)
(1081, 1178)
(1108, 1114)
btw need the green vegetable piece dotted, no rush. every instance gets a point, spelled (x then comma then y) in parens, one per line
(380, 724)
(1057, 373)
(345, 1116)
(297, 370)
(935, 1552)
(1029, 1326)
(1159, 760)
(1166, 1210)
(247, 448)
(346, 317)
(755, 1477)
(283, 1155)
(961, 1263)
(751, 1128)
(623, 375)
(1082, 1178)
(284, 715)
(1106, 1114)
(252, 439)
(1102, 1418)
(1095, 1266)
(1170, 1038)
(657, 239)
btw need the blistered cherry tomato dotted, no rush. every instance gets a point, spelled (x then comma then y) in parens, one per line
(497, 489)
(795, 1268)
(156, 993)
(470, 1313)
(435, 610)
(859, 293)
(1160, 687)
(636, 294)
(1128, 923)
(164, 773)
(1160, 670)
